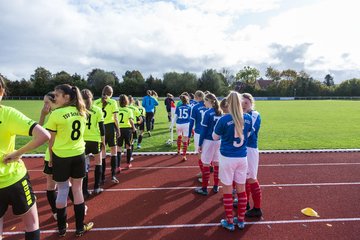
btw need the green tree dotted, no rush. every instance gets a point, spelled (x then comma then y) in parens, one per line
(348, 88)
(41, 81)
(328, 80)
(248, 75)
(273, 74)
(98, 79)
(289, 74)
(176, 83)
(212, 81)
(133, 83)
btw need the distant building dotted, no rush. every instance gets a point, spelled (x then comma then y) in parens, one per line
(263, 84)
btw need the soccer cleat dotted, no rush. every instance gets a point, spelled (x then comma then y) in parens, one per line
(184, 159)
(114, 179)
(215, 189)
(241, 225)
(87, 227)
(131, 159)
(138, 146)
(201, 191)
(55, 216)
(225, 224)
(254, 213)
(149, 133)
(199, 175)
(129, 166)
(235, 203)
(200, 180)
(62, 232)
(98, 190)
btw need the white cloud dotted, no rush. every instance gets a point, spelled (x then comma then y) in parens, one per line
(185, 35)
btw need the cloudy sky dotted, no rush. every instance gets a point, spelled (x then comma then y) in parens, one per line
(154, 37)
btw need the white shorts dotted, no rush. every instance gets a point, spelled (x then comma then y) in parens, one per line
(210, 151)
(196, 142)
(253, 162)
(183, 129)
(232, 169)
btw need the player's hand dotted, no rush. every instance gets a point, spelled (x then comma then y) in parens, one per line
(46, 109)
(12, 157)
(200, 149)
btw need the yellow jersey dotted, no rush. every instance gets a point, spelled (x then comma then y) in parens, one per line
(109, 110)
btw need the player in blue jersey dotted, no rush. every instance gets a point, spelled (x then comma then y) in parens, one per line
(252, 184)
(149, 103)
(182, 119)
(208, 147)
(233, 129)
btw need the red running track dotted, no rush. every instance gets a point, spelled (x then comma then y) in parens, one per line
(155, 200)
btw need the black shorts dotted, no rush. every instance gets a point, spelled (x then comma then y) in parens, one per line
(20, 195)
(126, 135)
(142, 125)
(92, 147)
(64, 168)
(47, 169)
(110, 134)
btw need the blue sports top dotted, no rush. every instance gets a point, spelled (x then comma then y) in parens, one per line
(256, 121)
(197, 113)
(183, 114)
(149, 103)
(207, 125)
(230, 145)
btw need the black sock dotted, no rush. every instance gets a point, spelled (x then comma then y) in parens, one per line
(118, 157)
(61, 218)
(140, 139)
(71, 196)
(85, 184)
(51, 197)
(128, 156)
(98, 170)
(113, 165)
(103, 163)
(79, 210)
(35, 235)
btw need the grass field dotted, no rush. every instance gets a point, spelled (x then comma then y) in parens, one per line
(324, 124)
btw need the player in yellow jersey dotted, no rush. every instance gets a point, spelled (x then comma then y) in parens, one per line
(15, 187)
(141, 123)
(94, 137)
(67, 125)
(137, 121)
(110, 110)
(127, 127)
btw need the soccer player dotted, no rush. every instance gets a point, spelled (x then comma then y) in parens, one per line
(252, 184)
(137, 121)
(168, 102)
(141, 123)
(182, 119)
(208, 147)
(66, 146)
(110, 110)
(15, 187)
(94, 137)
(197, 113)
(233, 129)
(127, 127)
(149, 103)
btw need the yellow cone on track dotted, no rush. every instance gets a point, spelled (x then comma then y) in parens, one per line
(310, 212)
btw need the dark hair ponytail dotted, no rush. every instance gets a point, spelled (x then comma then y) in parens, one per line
(214, 103)
(76, 99)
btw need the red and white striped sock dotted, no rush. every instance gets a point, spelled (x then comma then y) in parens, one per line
(205, 176)
(216, 175)
(256, 194)
(228, 206)
(242, 200)
(248, 191)
(200, 165)
(185, 145)
(179, 143)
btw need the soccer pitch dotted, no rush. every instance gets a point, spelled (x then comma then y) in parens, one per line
(318, 124)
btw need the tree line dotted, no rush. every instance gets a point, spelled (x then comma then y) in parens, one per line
(283, 83)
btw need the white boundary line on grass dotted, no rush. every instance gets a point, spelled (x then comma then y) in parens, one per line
(262, 152)
(190, 188)
(327, 220)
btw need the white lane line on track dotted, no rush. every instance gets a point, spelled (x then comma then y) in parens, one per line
(189, 188)
(261, 165)
(202, 225)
